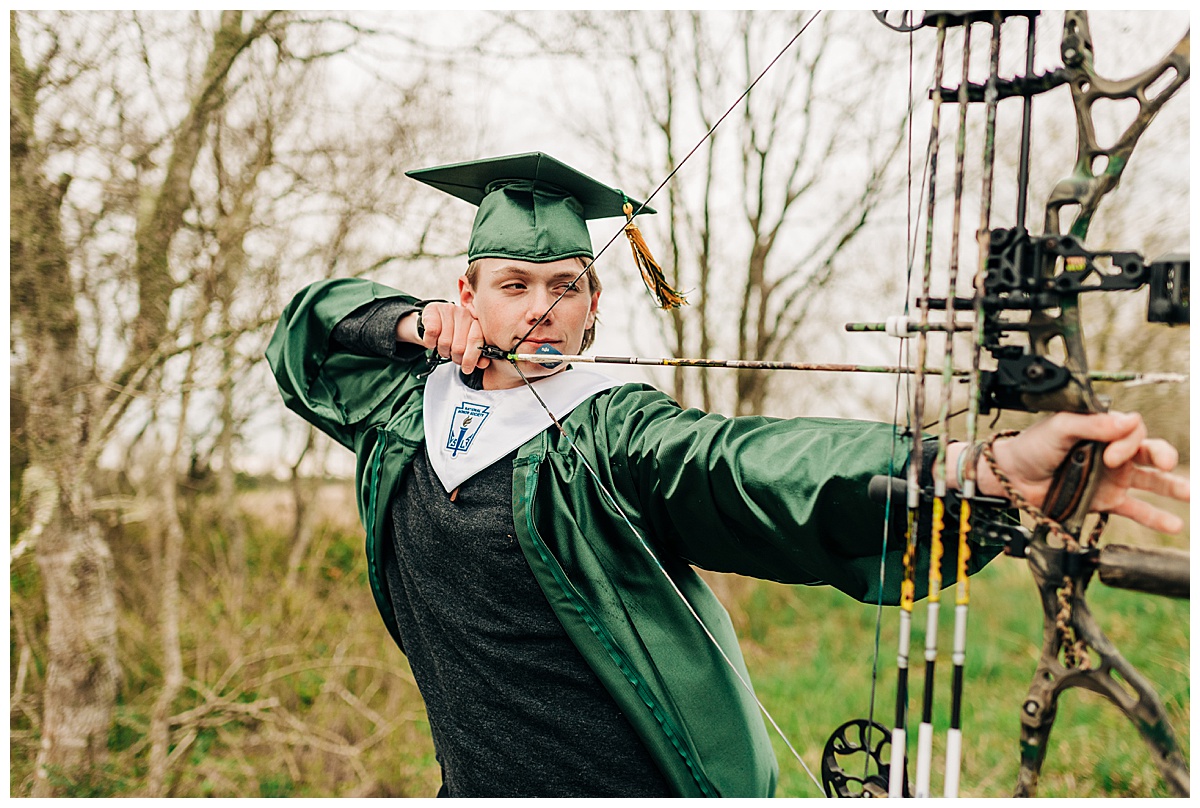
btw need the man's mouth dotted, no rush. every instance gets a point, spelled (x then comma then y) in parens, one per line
(540, 346)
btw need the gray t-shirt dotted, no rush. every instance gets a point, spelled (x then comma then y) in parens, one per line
(514, 709)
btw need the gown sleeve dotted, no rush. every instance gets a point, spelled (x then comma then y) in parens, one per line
(331, 386)
(784, 500)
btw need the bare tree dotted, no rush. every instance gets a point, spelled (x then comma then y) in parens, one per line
(144, 279)
(75, 564)
(762, 214)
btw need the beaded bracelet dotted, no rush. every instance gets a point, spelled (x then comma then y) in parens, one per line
(962, 464)
(969, 458)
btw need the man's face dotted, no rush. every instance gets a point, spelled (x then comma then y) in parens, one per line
(509, 296)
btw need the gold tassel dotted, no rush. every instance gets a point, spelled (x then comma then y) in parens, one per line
(652, 273)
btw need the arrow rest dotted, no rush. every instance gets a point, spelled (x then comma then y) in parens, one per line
(1042, 275)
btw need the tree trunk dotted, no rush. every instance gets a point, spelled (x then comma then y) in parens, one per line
(304, 495)
(173, 541)
(75, 564)
(81, 680)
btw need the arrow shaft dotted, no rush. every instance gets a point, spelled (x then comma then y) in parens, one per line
(752, 364)
(830, 367)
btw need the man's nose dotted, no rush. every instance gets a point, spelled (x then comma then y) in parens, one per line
(540, 301)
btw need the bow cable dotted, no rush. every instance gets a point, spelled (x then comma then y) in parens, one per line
(908, 584)
(938, 524)
(633, 214)
(910, 257)
(962, 597)
(663, 570)
(579, 452)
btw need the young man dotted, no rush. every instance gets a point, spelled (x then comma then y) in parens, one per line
(531, 530)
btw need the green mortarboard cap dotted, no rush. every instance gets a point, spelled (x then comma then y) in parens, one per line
(531, 206)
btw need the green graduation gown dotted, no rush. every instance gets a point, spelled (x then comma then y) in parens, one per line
(783, 500)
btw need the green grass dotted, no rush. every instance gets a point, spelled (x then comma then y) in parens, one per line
(285, 718)
(810, 652)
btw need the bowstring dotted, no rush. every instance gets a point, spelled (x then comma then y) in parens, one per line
(595, 476)
(588, 265)
(902, 383)
(612, 501)
(939, 531)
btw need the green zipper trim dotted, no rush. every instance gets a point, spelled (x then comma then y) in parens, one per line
(377, 583)
(674, 735)
(373, 487)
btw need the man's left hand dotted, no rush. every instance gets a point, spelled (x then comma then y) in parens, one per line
(1132, 462)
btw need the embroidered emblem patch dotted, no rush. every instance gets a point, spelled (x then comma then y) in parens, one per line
(464, 426)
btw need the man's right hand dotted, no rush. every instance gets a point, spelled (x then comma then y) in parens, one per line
(450, 330)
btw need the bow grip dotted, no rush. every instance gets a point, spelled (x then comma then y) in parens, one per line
(1071, 489)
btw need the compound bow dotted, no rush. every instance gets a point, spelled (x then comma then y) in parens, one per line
(1031, 285)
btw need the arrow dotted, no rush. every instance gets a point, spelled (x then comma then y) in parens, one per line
(548, 356)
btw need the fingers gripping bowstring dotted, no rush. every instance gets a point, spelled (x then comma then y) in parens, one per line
(588, 265)
(592, 472)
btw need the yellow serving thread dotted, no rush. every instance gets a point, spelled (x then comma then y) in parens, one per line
(963, 586)
(908, 585)
(936, 550)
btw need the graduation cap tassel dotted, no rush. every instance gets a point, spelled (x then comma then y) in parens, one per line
(652, 273)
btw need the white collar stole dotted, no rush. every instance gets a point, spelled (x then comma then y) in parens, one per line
(468, 430)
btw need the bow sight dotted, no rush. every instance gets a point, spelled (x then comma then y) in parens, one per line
(1039, 274)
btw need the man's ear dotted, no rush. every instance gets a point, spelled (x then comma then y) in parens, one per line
(593, 310)
(466, 294)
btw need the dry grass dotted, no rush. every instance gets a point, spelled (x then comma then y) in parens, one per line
(291, 691)
(298, 690)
